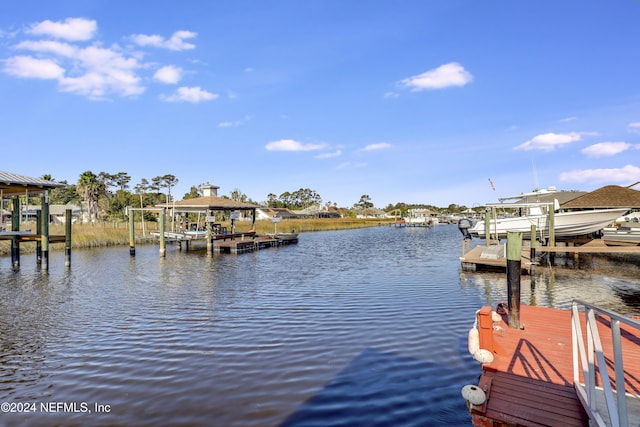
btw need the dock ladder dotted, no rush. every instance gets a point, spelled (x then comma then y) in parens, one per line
(608, 403)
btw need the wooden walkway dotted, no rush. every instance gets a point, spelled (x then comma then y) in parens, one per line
(530, 381)
(26, 236)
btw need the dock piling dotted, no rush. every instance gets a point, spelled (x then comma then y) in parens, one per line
(514, 261)
(15, 226)
(132, 234)
(67, 238)
(163, 249)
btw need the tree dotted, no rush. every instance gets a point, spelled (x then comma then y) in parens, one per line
(91, 188)
(238, 195)
(364, 203)
(194, 192)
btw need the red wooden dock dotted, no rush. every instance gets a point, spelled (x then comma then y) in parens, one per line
(530, 381)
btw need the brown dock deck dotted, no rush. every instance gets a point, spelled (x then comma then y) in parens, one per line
(475, 259)
(530, 381)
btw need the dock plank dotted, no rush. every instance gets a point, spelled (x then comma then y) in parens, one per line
(530, 381)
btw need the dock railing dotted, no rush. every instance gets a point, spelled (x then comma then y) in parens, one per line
(614, 411)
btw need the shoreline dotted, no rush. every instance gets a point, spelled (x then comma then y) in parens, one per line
(86, 236)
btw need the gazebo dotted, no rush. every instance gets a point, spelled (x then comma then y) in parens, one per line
(12, 186)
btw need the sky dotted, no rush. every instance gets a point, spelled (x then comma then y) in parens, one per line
(415, 101)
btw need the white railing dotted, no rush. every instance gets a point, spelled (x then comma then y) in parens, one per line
(613, 411)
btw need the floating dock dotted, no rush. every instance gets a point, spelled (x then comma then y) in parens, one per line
(493, 256)
(531, 379)
(229, 243)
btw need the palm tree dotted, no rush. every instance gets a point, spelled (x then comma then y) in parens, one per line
(91, 188)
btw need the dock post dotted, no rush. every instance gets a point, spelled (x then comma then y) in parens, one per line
(15, 226)
(552, 227)
(487, 228)
(45, 230)
(132, 234)
(485, 326)
(163, 250)
(209, 241)
(532, 253)
(67, 238)
(38, 242)
(514, 261)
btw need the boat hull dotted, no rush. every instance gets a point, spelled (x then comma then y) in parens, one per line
(566, 224)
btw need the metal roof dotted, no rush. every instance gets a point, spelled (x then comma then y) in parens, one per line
(12, 183)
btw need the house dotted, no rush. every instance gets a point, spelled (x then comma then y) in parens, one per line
(271, 213)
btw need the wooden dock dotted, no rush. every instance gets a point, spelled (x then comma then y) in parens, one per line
(530, 380)
(27, 236)
(241, 246)
(492, 257)
(228, 243)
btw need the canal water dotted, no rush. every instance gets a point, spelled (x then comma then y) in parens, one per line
(345, 328)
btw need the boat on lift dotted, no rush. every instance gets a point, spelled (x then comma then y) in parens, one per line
(534, 211)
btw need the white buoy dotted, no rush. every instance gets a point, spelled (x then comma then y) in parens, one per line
(474, 340)
(473, 394)
(483, 356)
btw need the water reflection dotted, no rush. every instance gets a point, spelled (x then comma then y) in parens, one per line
(340, 323)
(612, 284)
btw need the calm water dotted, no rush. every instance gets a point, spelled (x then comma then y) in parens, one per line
(349, 328)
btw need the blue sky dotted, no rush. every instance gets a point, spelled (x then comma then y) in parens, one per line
(418, 101)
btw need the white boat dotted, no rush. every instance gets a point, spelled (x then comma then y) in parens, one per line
(621, 236)
(566, 224)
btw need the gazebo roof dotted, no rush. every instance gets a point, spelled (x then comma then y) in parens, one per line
(11, 183)
(213, 203)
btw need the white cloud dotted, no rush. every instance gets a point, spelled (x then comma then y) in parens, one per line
(333, 154)
(292, 145)
(34, 68)
(549, 141)
(378, 146)
(391, 95)
(235, 123)
(72, 29)
(568, 119)
(603, 149)
(175, 42)
(190, 94)
(91, 71)
(451, 74)
(168, 74)
(634, 127)
(626, 174)
(49, 46)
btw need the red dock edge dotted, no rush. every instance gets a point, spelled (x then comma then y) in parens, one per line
(530, 380)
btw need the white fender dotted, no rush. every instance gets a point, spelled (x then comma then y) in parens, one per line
(483, 356)
(474, 340)
(473, 394)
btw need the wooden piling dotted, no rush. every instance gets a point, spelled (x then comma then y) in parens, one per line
(67, 238)
(163, 249)
(132, 234)
(514, 260)
(38, 242)
(45, 231)
(487, 228)
(532, 251)
(15, 226)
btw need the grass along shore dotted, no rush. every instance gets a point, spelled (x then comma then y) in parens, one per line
(117, 234)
